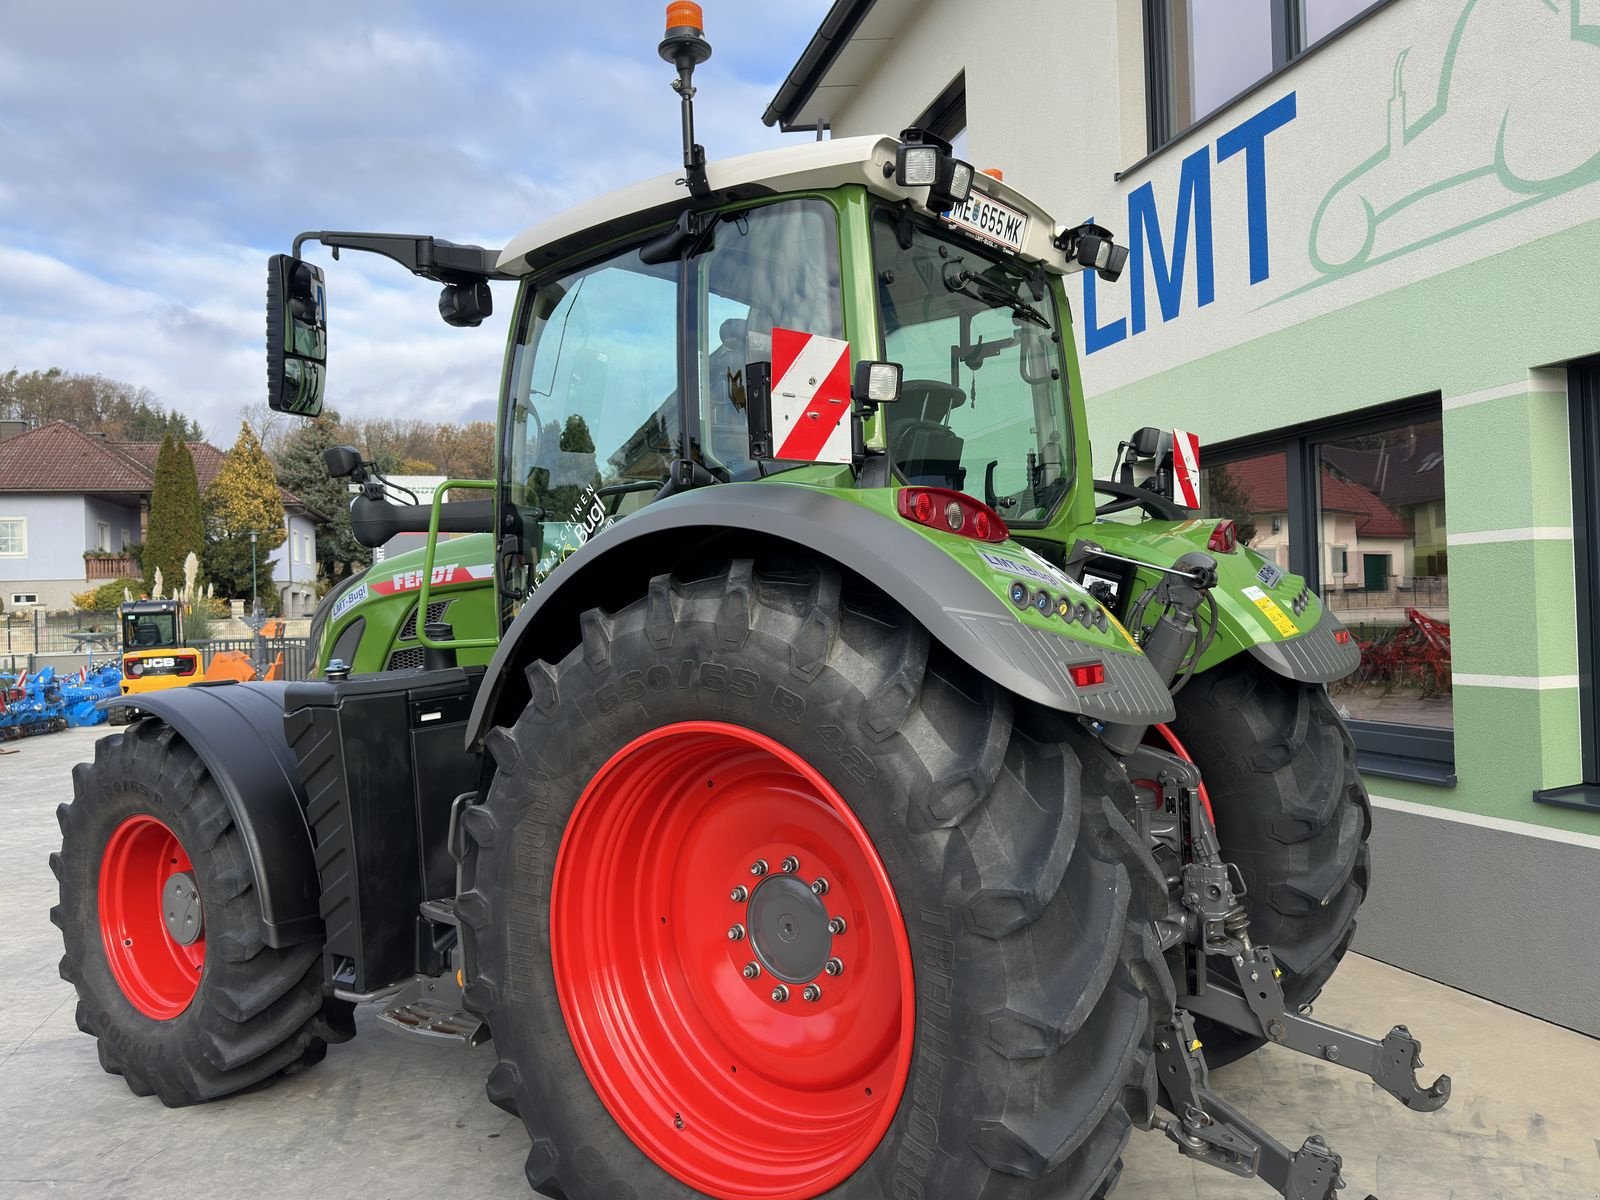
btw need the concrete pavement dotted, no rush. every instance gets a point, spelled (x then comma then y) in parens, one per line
(388, 1116)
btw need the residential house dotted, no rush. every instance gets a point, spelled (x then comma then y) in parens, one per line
(73, 503)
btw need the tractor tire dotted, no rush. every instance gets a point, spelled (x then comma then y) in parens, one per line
(963, 1005)
(185, 1021)
(120, 715)
(1291, 811)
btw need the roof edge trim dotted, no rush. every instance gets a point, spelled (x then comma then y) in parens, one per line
(815, 61)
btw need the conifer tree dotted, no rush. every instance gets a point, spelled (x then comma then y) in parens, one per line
(176, 527)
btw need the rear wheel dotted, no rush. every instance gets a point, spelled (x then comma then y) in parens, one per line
(771, 899)
(1291, 811)
(163, 935)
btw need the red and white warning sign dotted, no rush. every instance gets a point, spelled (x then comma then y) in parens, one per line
(810, 397)
(1186, 468)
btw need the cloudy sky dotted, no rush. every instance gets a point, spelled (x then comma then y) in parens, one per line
(155, 153)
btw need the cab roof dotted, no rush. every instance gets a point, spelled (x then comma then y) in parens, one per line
(810, 166)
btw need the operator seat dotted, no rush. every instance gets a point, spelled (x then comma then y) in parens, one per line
(924, 448)
(147, 633)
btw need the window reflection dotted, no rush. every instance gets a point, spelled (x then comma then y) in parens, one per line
(1386, 570)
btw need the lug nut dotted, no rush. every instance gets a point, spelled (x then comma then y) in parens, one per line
(833, 967)
(752, 970)
(758, 868)
(789, 865)
(836, 925)
(820, 887)
(739, 894)
(780, 993)
(736, 933)
(812, 993)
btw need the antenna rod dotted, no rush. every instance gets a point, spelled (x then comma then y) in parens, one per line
(685, 47)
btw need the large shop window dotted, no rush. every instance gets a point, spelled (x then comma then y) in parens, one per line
(1201, 55)
(1358, 508)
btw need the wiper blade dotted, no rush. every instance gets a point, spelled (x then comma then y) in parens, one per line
(981, 287)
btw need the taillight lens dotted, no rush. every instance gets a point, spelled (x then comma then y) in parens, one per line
(1342, 636)
(1087, 674)
(186, 665)
(132, 668)
(952, 512)
(1224, 538)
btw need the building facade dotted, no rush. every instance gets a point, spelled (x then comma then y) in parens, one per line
(1364, 239)
(72, 505)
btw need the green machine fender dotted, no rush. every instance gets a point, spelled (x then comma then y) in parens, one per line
(1261, 609)
(955, 587)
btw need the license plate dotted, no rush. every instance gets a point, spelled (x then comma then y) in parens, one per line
(990, 220)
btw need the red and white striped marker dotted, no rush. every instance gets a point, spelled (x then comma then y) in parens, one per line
(1186, 468)
(810, 397)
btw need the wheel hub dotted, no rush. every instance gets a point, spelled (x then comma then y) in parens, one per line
(180, 908)
(788, 926)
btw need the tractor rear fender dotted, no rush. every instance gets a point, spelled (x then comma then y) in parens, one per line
(1261, 608)
(237, 730)
(958, 608)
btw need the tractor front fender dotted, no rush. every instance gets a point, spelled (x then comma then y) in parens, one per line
(237, 730)
(958, 609)
(1262, 610)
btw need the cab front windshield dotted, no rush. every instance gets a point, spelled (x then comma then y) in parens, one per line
(983, 406)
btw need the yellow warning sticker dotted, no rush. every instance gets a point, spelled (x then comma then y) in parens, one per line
(1280, 619)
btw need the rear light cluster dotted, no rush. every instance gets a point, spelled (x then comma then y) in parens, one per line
(952, 512)
(1342, 636)
(132, 668)
(1224, 538)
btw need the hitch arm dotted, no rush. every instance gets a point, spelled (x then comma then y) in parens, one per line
(1210, 1129)
(1257, 1006)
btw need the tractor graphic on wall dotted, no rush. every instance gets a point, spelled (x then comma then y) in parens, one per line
(1489, 145)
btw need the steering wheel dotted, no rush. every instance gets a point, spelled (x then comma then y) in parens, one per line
(1128, 496)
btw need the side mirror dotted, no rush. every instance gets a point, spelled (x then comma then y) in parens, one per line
(465, 305)
(344, 462)
(297, 336)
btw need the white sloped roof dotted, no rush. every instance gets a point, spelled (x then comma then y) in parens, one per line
(801, 167)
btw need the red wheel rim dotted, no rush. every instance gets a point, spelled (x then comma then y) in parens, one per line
(733, 1092)
(158, 974)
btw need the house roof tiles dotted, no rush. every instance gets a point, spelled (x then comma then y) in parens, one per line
(60, 457)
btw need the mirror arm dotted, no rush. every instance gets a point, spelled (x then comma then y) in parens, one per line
(429, 257)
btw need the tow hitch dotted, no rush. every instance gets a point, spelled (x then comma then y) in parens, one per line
(1207, 918)
(1214, 923)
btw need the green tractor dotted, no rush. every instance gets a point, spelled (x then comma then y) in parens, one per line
(795, 773)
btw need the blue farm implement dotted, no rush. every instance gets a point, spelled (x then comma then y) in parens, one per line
(44, 702)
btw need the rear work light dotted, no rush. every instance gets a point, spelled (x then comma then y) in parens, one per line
(1224, 538)
(1087, 674)
(952, 512)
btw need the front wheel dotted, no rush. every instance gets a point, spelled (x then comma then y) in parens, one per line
(769, 898)
(163, 933)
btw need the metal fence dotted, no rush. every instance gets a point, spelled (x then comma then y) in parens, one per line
(1396, 592)
(66, 639)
